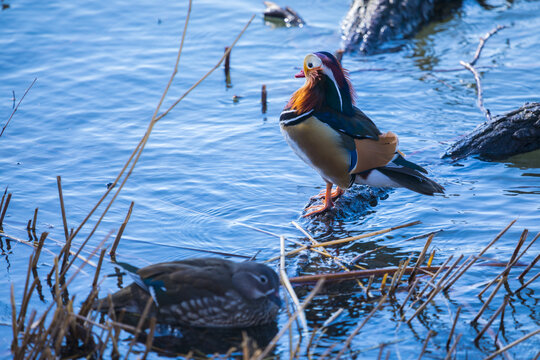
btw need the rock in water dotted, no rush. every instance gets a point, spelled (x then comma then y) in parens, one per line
(369, 23)
(510, 134)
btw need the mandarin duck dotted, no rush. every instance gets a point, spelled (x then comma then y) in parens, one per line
(201, 292)
(329, 133)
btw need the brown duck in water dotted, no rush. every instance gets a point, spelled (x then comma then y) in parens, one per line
(203, 292)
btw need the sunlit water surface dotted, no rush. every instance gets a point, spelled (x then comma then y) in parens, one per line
(215, 170)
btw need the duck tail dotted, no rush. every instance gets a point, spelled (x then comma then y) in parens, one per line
(410, 176)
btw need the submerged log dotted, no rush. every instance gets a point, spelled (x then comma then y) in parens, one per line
(372, 22)
(510, 134)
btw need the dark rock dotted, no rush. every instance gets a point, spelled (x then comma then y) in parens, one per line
(510, 134)
(372, 22)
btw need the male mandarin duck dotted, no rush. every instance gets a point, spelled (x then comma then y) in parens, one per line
(202, 292)
(326, 130)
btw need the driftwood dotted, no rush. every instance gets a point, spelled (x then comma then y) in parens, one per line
(510, 134)
(369, 23)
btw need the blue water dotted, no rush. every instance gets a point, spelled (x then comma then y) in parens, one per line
(215, 169)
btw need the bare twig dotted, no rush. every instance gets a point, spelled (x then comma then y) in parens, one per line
(483, 42)
(512, 344)
(528, 282)
(288, 286)
(451, 351)
(357, 274)
(345, 240)
(273, 342)
(17, 107)
(470, 67)
(453, 328)
(513, 260)
(4, 209)
(359, 327)
(529, 267)
(140, 147)
(459, 274)
(491, 319)
(112, 253)
(429, 334)
(491, 296)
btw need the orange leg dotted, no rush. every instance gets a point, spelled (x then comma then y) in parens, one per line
(327, 202)
(335, 194)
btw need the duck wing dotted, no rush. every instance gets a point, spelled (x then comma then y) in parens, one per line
(358, 126)
(182, 281)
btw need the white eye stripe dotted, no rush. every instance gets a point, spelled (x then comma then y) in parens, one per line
(312, 61)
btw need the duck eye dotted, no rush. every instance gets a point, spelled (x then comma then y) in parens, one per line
(263, 279)
(310, 65)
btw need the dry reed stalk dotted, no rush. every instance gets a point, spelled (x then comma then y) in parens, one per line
(288, 286)
(398, 276)
(368, 287)
(529, 267)
(27, 294)
(453, 329)
(356, 274)
(98, 268)
(38, 249)
(424, 346)
(263, 99)
(359, 327)
(491, 319)
(112, 253)
(14, 326)
(438, 287)
(421, 257)
(513, 260)
(3, 214)
(448, 272)
(345, 240)
(150, 337)
(360, 256)
(430, 260)
(64, 287)
(485, 305)
(331, 319)
(62, 208)
(430, 281)
(134, 157)
(322, 252)
(475, 258)
(325, 252)
(453, 348)
(409, 294)
(140, 324)
(3, 198)
(528, 282)
(459, 272)
(306, 302)
(16, 108)
(34, 220)
(227, 66)
(512, 344)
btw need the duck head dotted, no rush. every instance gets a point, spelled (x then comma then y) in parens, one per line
(327, 85)
(256, 281)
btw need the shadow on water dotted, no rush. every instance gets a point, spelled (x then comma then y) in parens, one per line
(172, 342)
